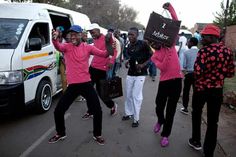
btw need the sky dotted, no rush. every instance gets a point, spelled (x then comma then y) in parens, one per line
(188, 11)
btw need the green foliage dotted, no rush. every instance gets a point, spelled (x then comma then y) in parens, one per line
(231, 15)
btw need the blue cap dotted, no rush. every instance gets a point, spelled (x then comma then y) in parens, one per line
(76, 28)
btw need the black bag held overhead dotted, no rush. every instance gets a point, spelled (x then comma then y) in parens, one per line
(161, 29)
(111, 88)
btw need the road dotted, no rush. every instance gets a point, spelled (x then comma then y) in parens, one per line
(27, 136)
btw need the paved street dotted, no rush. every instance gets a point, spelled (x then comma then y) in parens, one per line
(27, 136)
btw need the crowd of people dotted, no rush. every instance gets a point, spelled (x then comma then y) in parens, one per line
(204, 69)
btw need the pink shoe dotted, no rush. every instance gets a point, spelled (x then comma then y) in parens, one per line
(157, 128)
(164, 141)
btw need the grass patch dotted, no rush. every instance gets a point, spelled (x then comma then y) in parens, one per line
(230, 84)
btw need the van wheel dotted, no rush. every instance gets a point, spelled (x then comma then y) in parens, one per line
(43, 97)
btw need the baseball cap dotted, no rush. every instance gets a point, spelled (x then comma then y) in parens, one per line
(211, 29)
(93, 26)
(76, 28)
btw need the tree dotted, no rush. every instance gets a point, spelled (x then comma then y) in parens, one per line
(229, 14)
(107, 13)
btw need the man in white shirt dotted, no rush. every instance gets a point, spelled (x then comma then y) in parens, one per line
(182, 48)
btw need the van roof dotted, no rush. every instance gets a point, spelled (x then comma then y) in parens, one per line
(185, 31)
(39, 11)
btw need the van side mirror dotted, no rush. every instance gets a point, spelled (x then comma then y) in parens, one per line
(34, 44)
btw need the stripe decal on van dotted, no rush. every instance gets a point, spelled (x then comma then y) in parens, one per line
(37, 70)
(35, 56)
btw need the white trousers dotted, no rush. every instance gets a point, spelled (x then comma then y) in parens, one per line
(134, 95)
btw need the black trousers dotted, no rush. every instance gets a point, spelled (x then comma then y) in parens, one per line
(71, 93)
(96, 76)
(188, 83)
(167, 97)
(213, 98)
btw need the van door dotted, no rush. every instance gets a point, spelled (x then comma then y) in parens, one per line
(39, 64)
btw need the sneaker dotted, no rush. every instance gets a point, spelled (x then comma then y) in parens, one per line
(114, 110)
(135, 124)
(164, 141)
(126, 118)
(157, 128)
(80, 99)
(56, 138)
(184, 111)
(194, 144)
(99, 140)
(87, 116)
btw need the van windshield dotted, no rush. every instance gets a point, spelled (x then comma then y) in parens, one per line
(11, 31)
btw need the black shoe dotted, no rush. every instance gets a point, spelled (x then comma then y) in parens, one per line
(56, 138)
(87, 116)
(135, 124)
(184, 111)
(126, 118)
(194, 144)
(99, 140)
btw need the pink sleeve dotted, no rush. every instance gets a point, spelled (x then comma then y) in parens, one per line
(60, 47)
(95, 51)
(174, 17)
(172, 12)
(161, 58)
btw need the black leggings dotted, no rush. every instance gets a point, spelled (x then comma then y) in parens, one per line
(167, 96)
(71, 93)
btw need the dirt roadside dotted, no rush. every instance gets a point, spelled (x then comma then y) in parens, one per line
(226, 130)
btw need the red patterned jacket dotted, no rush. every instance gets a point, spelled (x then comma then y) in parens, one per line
(213, 64)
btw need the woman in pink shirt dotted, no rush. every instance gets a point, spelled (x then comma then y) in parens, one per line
(76, 55)
(170, 85)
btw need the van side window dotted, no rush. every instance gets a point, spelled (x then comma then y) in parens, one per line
(40, 30)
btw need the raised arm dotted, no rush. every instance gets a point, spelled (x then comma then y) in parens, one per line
(59, 46)
(171, 9)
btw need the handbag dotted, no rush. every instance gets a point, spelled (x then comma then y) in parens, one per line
(161, 29)
(111, 88)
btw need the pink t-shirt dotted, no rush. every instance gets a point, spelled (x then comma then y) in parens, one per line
(167, 61)
(77, 60)
(101, 62)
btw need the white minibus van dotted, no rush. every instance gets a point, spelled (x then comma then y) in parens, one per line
(28, 69)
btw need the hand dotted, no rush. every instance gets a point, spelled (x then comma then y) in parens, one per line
(55, 34)
(184, 71)
(155, 45)
(139, 67)
(110, 65)
(166, 5)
